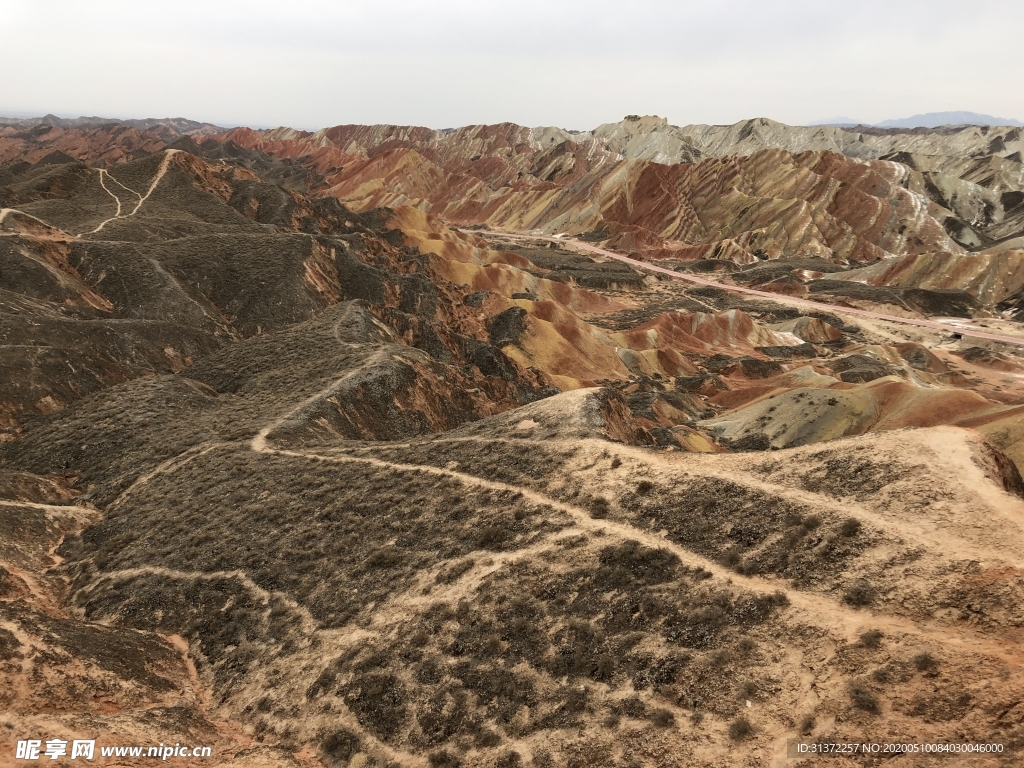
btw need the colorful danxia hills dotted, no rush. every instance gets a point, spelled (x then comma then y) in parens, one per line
(515, 447)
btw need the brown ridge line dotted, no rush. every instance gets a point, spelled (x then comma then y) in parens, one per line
(931, 324)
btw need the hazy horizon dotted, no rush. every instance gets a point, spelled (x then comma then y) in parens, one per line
(453, 63)
(23, 115)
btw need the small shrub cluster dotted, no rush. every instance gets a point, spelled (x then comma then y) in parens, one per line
(662, 718)
(871, 639)
(740, 729)
(339, 746)
(850, 527)
(808, 547)
(860, 593)
(864, 698)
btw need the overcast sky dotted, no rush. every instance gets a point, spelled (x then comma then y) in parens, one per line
(575, 64)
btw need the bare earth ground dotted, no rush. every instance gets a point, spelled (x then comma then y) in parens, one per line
(319, 502)
(772, 634)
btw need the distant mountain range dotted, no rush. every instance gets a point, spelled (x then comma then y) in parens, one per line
(170, 127)
(927, 120)
(178, 126)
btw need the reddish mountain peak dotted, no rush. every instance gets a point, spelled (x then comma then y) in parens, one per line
(244, 137)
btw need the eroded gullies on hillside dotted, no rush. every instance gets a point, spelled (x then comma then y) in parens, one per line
(756, 373)
(354, 496)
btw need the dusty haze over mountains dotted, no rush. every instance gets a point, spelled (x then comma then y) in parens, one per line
(569, 63)
(482, 417)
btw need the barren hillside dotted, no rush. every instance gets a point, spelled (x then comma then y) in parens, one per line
(301, 462)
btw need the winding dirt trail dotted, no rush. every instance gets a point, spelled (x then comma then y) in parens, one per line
(103, 172)
(817, 610)
(161, 172)
(5, 212)
(122, 186)
(805, 609)
(832, 308)
(47, 507)
(999, 551)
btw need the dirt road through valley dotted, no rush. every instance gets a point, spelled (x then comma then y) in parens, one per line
(931, 324)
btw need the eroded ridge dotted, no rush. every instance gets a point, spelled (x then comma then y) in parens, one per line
(325, 488)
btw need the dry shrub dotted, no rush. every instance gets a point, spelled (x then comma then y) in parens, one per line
(860, 593)
(339, 746)
(662, 718)
(871, 639)
(850, 527)
(443, 759)
(864, 698)
(740, 728)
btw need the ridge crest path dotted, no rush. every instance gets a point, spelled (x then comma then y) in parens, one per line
(161, 172)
